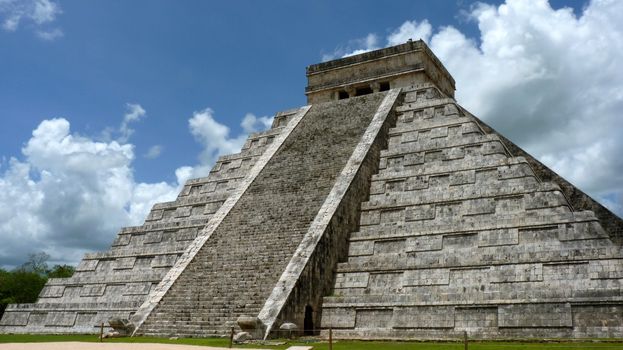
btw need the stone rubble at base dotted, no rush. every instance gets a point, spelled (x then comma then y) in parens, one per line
(384, 210)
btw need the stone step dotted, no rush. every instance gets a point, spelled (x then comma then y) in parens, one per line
(470, 224)
(216, 196)
(447, 128)
(144, 250)
(407, 124)
(474, 256)
(455, 298)
(439, 150)
(429, 104)
(525, 195)
(499, 162)
(180, 223)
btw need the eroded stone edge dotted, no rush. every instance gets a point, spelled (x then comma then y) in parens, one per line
(279, 296)
(172, 275)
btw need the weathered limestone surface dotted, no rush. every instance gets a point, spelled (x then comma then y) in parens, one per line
(383, 210)
(459, 235)
(114, 283)
(397, 66)
(577, 199)
(309, 274)
(155, 296)
(239, 265)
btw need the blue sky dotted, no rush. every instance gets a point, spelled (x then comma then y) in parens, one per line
(233, 56)
(148, 93)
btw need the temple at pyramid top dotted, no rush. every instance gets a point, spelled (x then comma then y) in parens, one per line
(380, 70)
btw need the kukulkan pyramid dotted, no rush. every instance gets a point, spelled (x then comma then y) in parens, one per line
(382, 209)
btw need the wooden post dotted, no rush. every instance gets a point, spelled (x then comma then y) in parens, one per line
(231, 338)
(330, 338)
(465, 339)
(102, 332)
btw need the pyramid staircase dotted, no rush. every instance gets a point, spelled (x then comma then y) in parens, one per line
(236, 269)
(115, 283)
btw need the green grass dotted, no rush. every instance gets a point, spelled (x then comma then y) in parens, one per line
(320, 345)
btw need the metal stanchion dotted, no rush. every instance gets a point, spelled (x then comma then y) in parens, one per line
(465, 339)
(330, 338)
(102, 332)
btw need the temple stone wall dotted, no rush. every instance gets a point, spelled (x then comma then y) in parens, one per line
(459, 235)
(402, 65)
(576, 197)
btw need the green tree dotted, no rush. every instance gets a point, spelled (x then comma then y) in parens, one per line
(61, 271)
(20, 286)
(4, 277)
(23, 284)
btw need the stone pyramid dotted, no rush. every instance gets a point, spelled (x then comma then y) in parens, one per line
(383, 209)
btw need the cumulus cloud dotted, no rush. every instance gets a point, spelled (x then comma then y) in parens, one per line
(354, 47)
(50, 35)
(216, 138)
(10, 23)
(38, 12)
(213, 135)
(250, 123)
(154, 152)
(70, 193)
(547, 79)
(134, 112)
(410, 30)
(44, 11)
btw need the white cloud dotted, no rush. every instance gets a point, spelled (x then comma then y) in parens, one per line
(10, 24)
(213, 135)
(70, 193)
(354, 47)
(134, 112)
(250, 123)
(38, 12)
(547, 79)
(50, 35)
(216, 139)
(551, 82)
(44, 11)
(154, 152)
(410, 30)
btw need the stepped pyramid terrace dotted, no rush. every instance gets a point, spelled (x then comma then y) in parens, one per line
(381, 210)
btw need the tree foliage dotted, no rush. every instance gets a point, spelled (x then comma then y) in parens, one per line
(61, 271)
(23, 284)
